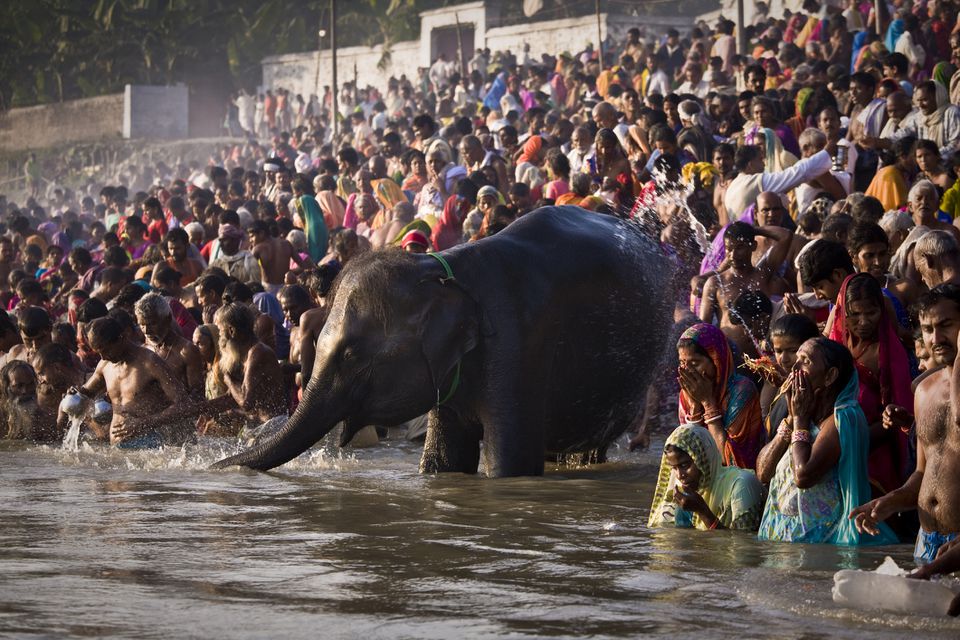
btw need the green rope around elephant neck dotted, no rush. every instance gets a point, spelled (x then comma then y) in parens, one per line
(446, 267)
(456, 374)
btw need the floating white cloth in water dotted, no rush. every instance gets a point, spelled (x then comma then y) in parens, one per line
(888, 589)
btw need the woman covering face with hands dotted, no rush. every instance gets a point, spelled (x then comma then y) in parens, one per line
(714, 396)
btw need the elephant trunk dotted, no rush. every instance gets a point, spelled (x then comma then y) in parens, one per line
(297, 435)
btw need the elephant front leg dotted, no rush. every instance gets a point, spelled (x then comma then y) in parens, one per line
(452, 444)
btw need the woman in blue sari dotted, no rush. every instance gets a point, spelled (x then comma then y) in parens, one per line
(819, 454)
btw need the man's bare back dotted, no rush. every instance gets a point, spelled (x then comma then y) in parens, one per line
(274, 256)
(256, 383)
(303, 343)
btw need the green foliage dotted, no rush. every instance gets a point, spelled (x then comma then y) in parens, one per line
(57, 50)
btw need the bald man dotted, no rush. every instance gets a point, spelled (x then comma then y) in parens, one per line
(474, 157)
(606, 116)
(771, 210)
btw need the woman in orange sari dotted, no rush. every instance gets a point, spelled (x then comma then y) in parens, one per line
(714, 395)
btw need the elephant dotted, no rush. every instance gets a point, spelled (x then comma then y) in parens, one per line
(538, 340)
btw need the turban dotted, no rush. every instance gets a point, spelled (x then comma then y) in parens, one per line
(269, 166)
(229, 231)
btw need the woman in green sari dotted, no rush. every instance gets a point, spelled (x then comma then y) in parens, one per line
(694, 489)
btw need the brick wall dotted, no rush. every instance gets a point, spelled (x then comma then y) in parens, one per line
(58, 124)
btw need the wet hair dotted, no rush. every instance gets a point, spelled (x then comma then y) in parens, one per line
(28, 287)
(153, 305)
(54, 353)
(90, 310)
(259, 226)
(239, 316)
(741, 231)
(865, 208)
(794, 325)
(822, 259)
(660, 133)
(211, 282)
(105, 330)
(237, 292)
(864, 286)
(320, 280)
(176, 235)
(66, 334)
(34, 321)
(126, 320)
(744, 156)
(559, 164)
(691, 344)
(7, 325)
(129, 295)
(836, 357)
(167, 275)
(933, 297)
(836, 227)
(81, 256)
(296, 294)
(864, 78)
(116, 257)
(863, 234)
(113, 275)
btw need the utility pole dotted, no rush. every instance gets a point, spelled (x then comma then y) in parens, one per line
(741, 30)
(463, 65)
(876, 18)
(599, 35)
(333, 51)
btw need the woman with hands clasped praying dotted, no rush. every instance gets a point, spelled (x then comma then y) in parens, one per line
(714, 396)
(817, 461)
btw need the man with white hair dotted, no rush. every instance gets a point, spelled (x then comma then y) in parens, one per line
(937, 256)
(923, 201)
(156, 321)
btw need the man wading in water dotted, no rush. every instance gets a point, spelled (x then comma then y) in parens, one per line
(249, 369)
(933, 488)
(149, 402)
(156, 321)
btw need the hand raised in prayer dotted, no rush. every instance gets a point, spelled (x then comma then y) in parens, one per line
(697, 386)
(792, 304)
(802, 397)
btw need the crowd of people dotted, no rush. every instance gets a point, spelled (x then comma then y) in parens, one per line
(806, 194)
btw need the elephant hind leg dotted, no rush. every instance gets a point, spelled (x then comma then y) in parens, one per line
(452, 444)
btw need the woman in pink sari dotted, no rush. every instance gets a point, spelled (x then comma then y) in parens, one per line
(863, 325)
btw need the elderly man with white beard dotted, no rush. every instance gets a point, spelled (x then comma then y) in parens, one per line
(23, 419)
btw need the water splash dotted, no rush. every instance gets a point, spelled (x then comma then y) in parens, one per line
(71, 441)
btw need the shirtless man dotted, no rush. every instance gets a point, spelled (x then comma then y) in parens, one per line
(474, 157)
(56, 373)
(156, 321)
(739, 275)
(35, 326)
(402, 214)
(23, 417)
(274, 256)
(149, 402)
(923, 201)
(770, 211)
(9, 337)
(249, 368)
(307, 320)
(933, 488)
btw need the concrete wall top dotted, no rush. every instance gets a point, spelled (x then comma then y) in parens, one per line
(62, 123)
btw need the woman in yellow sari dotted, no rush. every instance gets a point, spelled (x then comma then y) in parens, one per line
(890, 185)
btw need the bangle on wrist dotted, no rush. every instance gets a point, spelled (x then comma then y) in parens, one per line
(800, 435)
(715, 523)
(784, 430)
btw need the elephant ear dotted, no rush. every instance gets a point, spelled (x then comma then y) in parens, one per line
(449, 329)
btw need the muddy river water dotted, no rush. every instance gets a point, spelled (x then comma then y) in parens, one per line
(107, 543)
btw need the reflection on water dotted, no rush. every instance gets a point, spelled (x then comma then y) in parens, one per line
(107, 543)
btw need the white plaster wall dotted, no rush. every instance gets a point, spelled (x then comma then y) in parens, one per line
(469, 13)
(298, 71)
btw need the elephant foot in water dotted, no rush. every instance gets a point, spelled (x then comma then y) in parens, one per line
(451, 443)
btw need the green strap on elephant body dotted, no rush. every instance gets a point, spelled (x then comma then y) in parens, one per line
(456, 374)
